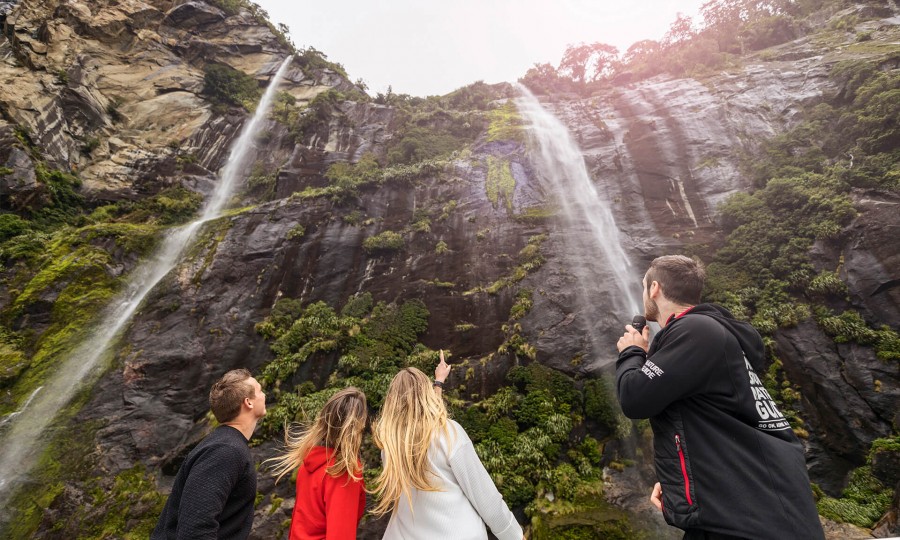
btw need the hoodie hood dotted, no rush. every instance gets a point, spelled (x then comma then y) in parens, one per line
(317, 458)
(747, 336)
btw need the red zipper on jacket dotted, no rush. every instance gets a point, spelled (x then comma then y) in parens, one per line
(687, 482)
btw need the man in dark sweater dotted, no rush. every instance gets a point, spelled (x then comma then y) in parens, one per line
(215, 488)
(728, 463)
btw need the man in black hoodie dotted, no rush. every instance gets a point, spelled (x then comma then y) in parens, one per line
(728, 463)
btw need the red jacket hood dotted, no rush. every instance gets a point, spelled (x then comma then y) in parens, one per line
(317, 458)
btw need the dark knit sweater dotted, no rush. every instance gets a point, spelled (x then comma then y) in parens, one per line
(214, 491)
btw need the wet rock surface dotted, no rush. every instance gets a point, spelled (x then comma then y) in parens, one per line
(665, 152)
(844, 407)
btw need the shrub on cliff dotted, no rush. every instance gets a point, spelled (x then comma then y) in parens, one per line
(11, 225)
(370, 342)
(863, 501)
(228, 86)
(385, 241)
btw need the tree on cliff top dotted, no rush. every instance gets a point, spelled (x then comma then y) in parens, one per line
(589, 63)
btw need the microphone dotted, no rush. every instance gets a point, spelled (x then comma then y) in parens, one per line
(639, 322)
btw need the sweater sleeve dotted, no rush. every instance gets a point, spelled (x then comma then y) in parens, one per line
(678, 368)
(345, 502)
(206, 489)
(476, 483)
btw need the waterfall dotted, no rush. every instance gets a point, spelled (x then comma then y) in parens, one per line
(20, 443)
(609, 285)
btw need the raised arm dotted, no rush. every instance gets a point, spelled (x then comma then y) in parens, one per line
(441, 372)
(678, 368)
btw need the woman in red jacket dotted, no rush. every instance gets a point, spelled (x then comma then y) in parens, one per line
(331, 497)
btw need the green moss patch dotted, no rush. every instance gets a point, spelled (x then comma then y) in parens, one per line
(863, 501)
(505, 124)
(75, 277)
(500, 184)
(384, 241)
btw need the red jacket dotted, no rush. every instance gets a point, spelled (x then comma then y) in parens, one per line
(327, 508)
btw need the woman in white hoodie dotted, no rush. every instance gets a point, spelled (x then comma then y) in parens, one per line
(431, 480)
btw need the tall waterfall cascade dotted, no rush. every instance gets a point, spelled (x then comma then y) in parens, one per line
(21, 433)
(609, 283)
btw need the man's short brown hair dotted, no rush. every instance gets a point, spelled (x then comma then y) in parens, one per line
(680, 278)
(228, 393)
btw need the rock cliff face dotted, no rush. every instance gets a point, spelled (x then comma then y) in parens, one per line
(667, 153)
(112, 90)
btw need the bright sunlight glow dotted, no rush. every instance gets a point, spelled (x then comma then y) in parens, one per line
(424, 47)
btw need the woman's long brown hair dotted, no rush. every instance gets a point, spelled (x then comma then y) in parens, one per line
(339, 426)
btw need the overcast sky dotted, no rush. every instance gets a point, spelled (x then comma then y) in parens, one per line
(425, 47)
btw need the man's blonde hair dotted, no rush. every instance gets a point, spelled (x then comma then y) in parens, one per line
(410, 419)
(228, 393)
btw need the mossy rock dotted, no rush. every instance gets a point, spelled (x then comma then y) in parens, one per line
(885, 459)
(601, 521)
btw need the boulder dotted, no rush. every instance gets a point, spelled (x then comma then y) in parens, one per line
(871, 266)
(20, 185)
(192, 15)
(843, 406)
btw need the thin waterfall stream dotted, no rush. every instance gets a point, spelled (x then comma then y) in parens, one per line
(21, 432)
(608, 282)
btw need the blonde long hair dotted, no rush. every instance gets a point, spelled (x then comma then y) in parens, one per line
(409, 420)
(338, 426)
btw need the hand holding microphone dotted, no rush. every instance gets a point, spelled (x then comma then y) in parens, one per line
(636, 334)
(639, 322)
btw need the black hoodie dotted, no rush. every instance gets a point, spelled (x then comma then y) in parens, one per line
(726, 458)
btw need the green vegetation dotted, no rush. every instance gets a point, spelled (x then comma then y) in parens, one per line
(423, 142)
(586, 517)
(347, 179)
(763, 272)
(849, 326)
(74, 275)
(863, 501)
(727, 31)
(66, 457)
(130, 507)
(505, 124)
(228, 86)
(60, 256)
(500, 183)
(534, 215)
(125, 506)
(60, 202)
(262, 182)
(436, 126)
(448, 209)
(90, 144)
(370, 341)
(529, 259)
(385, 241)
(522, 434)
(522, 305)
(313, 61)
(315, 118)
(297, 231)
(317, 114)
